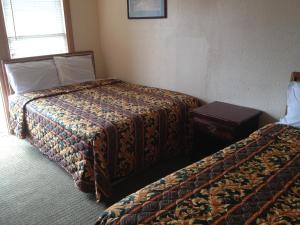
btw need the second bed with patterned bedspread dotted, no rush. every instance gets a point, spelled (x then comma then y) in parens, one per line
(103, 130)
(255, 181)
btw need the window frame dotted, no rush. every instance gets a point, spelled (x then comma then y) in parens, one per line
(5, 51)
(68, 26)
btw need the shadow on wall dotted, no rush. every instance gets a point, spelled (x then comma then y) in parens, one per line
(265, 118)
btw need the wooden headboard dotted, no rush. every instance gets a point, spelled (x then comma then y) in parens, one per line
(295, 76)
(6, 88)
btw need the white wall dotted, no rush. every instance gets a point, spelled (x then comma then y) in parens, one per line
(85, 23)
(237, 51)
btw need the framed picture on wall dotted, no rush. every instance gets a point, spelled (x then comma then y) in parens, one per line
(147, 9)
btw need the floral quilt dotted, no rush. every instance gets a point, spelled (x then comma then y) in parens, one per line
(103, 130)
(254, 181)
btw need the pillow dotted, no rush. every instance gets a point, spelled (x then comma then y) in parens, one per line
(75, 69)
(293, 106)
(32, 76)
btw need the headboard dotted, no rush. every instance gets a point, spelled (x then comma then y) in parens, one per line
(295, 76)
(6, 88)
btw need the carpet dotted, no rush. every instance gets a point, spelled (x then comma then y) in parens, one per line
(35, 190)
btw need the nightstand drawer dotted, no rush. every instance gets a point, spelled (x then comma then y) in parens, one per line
(211, 128)
(218, 124)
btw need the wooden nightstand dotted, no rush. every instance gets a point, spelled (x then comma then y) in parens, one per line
(218, 124)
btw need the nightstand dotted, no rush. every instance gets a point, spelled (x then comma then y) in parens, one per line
(218, 124)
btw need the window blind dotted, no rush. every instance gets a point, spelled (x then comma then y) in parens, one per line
(35, 27)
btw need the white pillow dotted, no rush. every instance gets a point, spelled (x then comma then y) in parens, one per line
(32, 76)
(293, 106)
(75, 69)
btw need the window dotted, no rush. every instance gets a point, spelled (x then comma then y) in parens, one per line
(35, 27)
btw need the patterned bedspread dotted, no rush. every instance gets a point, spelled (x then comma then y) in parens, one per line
(103, 130)
(255, 181)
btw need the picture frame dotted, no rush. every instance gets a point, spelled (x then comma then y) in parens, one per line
(147, 9)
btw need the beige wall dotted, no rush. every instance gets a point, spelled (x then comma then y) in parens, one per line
(85, 24)
(237, 51)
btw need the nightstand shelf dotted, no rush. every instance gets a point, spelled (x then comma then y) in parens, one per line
(218, 124)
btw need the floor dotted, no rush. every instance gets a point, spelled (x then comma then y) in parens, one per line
(34, 190)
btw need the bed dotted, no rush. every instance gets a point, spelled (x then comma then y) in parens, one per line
(254, 181)
(104, 130)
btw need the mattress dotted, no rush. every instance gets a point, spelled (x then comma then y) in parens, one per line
(104, 130)
(254, 181)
